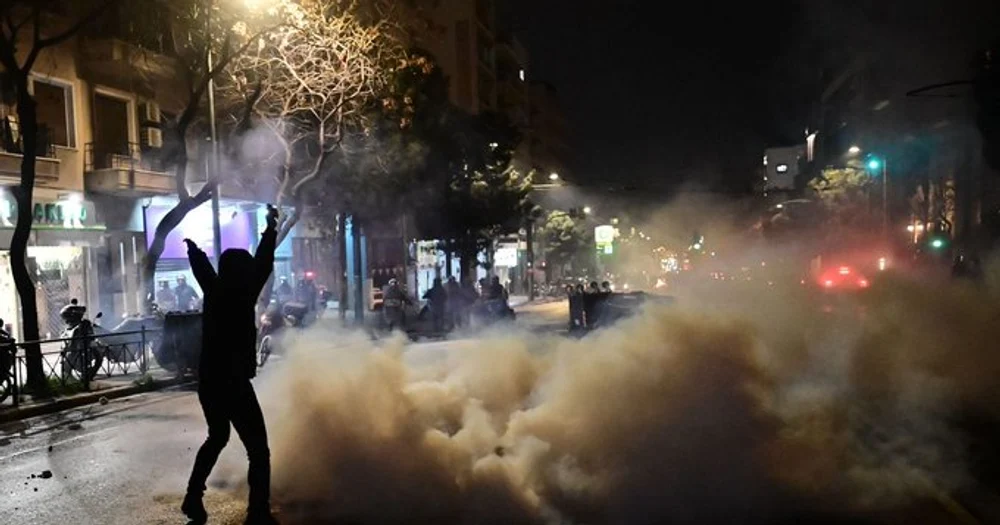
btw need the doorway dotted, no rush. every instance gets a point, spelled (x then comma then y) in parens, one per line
(111, 130)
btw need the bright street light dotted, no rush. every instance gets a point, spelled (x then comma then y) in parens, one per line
(854, 150)
(553, 176)
(587, 210)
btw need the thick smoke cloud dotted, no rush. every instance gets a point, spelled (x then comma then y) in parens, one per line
(769, 410)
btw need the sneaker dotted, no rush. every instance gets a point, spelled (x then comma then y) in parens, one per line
(194, 509)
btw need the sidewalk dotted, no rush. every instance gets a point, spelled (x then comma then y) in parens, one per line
(106, 388)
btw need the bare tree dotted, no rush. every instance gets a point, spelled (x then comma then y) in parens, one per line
(27, 28)
(198, 30)
(311, 83)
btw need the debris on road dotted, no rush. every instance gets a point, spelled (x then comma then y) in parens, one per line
(46, 474)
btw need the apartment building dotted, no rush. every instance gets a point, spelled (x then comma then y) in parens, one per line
(461, 35)
(102, 185)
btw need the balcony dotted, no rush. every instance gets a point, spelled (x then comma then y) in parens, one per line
(128, 170)
(11, 149)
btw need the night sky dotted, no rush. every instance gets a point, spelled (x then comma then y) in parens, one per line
(660, 93)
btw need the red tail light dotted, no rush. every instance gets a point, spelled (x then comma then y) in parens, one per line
(863, 283)
(828, 283)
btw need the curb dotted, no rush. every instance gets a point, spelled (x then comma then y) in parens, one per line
(86, 398)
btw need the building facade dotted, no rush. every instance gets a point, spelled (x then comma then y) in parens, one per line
(102, 185)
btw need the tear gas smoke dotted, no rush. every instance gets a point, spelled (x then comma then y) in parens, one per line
(766, 411)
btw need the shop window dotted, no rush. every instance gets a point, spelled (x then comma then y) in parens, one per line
(55, 111)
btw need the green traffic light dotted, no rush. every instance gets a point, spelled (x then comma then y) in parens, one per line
(874, 164)
(937, 244)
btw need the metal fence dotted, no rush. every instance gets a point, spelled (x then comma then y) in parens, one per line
(75, 364)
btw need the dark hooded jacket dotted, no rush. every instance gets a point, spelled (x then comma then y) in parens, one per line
(229, 329)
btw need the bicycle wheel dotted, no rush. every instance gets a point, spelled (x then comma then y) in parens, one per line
(264, 350)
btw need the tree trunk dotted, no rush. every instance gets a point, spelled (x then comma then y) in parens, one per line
(27, 114)
(340, 239)
(467, 258)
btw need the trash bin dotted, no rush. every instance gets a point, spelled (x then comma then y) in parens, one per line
(180, 348)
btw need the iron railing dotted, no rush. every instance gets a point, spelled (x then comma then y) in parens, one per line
(126, 156)
(12, 142)
(76, 363)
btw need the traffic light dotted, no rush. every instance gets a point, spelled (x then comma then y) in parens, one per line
(874, 164)
(938, 243)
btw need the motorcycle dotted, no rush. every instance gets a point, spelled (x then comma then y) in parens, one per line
(83, 352)
(273, 322)
(492, 311)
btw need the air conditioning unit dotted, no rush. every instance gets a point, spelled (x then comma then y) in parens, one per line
(151, 137)
(149, 113)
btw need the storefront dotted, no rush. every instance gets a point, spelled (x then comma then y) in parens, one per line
(240, 226)
(61, 255)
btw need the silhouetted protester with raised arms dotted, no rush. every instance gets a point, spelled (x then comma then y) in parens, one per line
(228, 362)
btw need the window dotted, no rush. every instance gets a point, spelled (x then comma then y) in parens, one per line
(55, 111)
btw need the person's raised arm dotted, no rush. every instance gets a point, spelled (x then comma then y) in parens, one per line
(201, 267)
(264, 258)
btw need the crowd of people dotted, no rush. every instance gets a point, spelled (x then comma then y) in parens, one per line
(448, 303)
(180, 298)
(586, 304)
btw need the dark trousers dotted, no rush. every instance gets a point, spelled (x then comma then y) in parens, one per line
(437, 318)
(235, 403)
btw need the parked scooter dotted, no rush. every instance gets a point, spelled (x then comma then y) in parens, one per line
(83, 352)
(7, 361)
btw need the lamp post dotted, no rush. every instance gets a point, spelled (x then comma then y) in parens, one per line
(214, 164)
(876, 164)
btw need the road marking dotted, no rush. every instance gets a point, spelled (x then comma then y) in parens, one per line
(57, 443)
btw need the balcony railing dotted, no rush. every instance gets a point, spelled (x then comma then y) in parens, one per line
(12, 142)
(129, 156)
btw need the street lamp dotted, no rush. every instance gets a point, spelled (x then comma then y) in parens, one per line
(553, 176)
(876, 164)
(587, 210)
(854, 150)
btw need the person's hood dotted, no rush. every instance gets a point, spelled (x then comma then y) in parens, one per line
(236, 268)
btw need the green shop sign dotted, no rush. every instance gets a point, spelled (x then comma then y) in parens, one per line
(66, 214)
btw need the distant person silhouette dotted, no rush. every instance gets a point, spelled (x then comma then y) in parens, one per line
(228, 362)
(186, 296)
